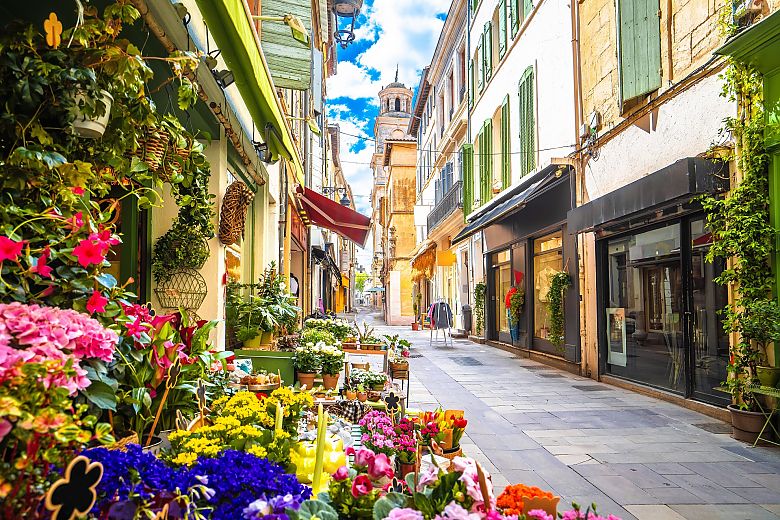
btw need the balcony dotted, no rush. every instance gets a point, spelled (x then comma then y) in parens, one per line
(451, 201)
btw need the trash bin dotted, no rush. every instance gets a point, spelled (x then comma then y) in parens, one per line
(466, 309)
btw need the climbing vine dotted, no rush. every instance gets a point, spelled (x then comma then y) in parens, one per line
(743, 234)
(558, 285)
(479, 307)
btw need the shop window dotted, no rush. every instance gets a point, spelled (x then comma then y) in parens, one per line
(548, 260)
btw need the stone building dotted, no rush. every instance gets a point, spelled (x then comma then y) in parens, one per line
(393, 198)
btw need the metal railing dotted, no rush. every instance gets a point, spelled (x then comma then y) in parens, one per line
(451, 201)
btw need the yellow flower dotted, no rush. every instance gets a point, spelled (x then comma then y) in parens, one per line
(185, 459)
(258, 451)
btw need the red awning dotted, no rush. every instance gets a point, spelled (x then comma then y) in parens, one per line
(324, 212)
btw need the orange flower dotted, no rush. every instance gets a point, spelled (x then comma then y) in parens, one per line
(511, 500)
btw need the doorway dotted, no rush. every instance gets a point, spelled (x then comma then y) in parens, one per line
(501, 268)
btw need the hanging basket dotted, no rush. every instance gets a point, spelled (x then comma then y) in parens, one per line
(232, 218)
(152, 149)
(176, 155)
(185, 288)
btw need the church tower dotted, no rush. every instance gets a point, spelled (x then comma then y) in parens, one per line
(395, 110)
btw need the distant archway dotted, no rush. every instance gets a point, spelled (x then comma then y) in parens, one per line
(397, 104)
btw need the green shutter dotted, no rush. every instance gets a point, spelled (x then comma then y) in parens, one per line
(528, 6)
(502, 28)
(506, 146)
(486, 162)
(640, 47)
(488, 50)
(468, 179)
(474, 5)
(517, 15)
(480, 63)
(471, 82)
(527, 122)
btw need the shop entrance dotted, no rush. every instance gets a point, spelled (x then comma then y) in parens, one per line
(502, 280)
(663, 327)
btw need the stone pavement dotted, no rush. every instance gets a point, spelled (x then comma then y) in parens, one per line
(635, 456)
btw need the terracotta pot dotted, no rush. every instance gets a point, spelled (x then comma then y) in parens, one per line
(330, 382)
(405, 469)
(306, 379)
(351, 395)
(362, 397)
(415, 326)
(747, 425)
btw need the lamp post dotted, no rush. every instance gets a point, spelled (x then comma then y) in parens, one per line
(328, 190)
(347, 9)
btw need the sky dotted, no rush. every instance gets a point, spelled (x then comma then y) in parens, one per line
(388, 34)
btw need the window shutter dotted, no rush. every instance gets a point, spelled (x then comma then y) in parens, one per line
(468, 178)
(488, 50)
(474, 5)
(480, 65)
(527, 122)
(486, 162)
(471, 81)
(640, 47)
(517, 15)
(502, 28)
(506, 155)
(528, 6)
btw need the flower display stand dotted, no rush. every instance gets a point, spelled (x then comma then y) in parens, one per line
(271, 361)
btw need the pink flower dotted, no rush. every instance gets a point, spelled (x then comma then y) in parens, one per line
(96, 303)
(538, 514)
(380, 466)
(405, 514)
(87, 252)
(136, 328)
(428, 476)
(10, 249)
(455, 511)
(341, 474)
(363, 457)
(77, 221)
(77, 190)
(5, 428)
(361, 486)
(40, 267)
(104, 239)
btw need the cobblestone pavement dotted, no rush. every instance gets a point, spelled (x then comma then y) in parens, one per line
(635, 456)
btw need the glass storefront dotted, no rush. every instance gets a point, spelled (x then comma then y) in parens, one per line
(661, 310)
(502, 273)
(548, 260)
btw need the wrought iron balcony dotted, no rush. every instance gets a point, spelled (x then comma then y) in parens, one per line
(451, 201)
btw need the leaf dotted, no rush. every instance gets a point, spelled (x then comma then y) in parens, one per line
(106, 280)
(315, 508)
(387, 503)
(103, 433)
(101, 395)
(423, 504)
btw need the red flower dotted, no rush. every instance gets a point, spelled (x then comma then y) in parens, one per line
(508, 300)
(361, 486)
(87, 252)
(77, 221)
(104, 239)
(40, 267)
(261, 395)
(341, 474)
(10, 249)
(459, 422)
(96, 303)
(77, 190)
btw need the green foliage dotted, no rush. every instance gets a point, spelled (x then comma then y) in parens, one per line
(365, 334)
(479, 307)
(180, 247)
(558, 285)
(744, 236)
(315, 336)
(516, 303)
(360, 281)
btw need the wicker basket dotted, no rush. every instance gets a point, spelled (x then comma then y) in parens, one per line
(232, 217)
(451, 454)
(399, 367)
(153, 147)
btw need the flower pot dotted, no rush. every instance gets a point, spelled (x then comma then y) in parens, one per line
(747, 425)
(330, 382)
(155, 446)
(768, 376)
(351, 395)
(306, 379)
(399, 367)
(272, 361)
(362, 397)
(405, 469)
(94, 127)
(415, 326)
(378, 387)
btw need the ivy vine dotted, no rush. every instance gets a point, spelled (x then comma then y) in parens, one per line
(479, 306)
(558, 285)
(743, 234)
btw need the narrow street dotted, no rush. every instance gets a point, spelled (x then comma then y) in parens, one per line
(635, 456)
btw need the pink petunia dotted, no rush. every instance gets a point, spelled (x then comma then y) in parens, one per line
(10, 249)
(96, 303)
(88, 253)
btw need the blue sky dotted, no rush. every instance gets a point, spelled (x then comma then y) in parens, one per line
(388, 33)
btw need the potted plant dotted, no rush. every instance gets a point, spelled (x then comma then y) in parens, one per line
(479, 308)
(397, 352)
(180, 247)
(350, 391)
(559, 282)
(514, 301)
(416, 303)
(249, 317)
(366, 338)
(332, 362)
(362, 395)
(307, 363)
(761, 322)
(405, 446)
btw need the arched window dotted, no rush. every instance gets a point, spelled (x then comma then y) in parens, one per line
(397, 104)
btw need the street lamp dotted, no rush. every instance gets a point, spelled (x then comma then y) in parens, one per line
(349, 10)
(299, 32)
(327, 190)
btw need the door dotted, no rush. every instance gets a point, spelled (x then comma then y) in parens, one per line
(709, 353)
(501, 280)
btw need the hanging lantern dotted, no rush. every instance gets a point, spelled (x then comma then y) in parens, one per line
(347, 9)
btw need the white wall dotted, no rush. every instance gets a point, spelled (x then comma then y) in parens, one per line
(545, 43)
(679, 129)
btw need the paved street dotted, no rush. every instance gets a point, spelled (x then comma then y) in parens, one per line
(635, 456)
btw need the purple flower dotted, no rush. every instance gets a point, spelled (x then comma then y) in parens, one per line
(405, 514)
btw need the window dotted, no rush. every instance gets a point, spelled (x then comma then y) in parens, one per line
(527, 122)
(639, 48)
(486, 162)
(506, 146)
(502, 40)
(397, 104)
(461, 73)
(487, 51)
(548, 260)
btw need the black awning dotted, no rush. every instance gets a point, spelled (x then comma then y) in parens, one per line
(680, 181)
(515, 202)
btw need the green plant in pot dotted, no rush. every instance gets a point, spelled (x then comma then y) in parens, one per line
(559, 282)
(760, 324)
(479, 307)
(307, 363)
(182, 246)
(248, 316)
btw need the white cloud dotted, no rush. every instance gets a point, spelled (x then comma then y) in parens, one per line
(353, 82)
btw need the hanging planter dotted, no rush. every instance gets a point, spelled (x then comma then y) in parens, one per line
(92, 127)
(558, 285)
(184, 289)
(179, 248)
(152, 148)
(232, 218)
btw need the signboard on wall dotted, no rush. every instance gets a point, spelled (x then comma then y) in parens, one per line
(616, 336)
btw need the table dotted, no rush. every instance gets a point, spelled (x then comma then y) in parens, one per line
(770, 392)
